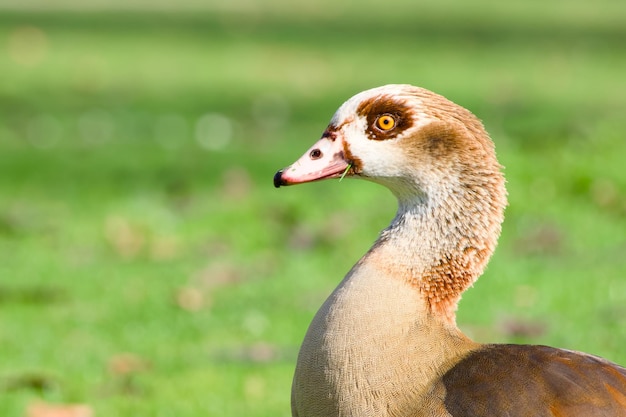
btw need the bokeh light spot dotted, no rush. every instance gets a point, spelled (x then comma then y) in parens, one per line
(214, 131)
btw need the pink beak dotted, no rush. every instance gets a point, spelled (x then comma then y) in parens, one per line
(325, 159)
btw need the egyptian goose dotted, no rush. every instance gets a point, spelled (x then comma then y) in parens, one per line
(386, 343)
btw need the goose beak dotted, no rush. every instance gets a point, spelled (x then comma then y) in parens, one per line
(325, 159)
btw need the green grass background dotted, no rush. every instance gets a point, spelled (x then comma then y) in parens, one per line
(149, 268)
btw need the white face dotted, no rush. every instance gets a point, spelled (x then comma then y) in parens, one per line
(374, 135)
(380, 158)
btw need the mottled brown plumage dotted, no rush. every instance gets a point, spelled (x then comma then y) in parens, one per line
(385, 343)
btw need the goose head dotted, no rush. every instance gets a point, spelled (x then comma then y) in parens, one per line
(437, 159)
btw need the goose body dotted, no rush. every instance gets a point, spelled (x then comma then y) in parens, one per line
(385, 342)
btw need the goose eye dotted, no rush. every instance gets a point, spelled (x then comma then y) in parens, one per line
(385, 122)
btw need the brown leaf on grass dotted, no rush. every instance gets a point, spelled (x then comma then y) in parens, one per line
(336, 227)
(339, 224)
(42, 409)
(127, 364)
(237, 184)
(262, 352)
(8, 225)
(522, 328)
(605, 194)
(218, 274)
(543, 239)
(130, 240)
(124, 369)
(127, 239)
(303, 238)
(197, 294)
(191, 299)
(164, 248)
(217, 248)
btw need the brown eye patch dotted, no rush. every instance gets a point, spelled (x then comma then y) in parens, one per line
(384, 106)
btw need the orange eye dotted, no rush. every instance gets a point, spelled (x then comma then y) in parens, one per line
(385, 122)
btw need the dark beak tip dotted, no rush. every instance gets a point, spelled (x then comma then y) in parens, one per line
(278, 179)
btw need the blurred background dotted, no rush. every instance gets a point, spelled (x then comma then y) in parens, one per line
(149, 268)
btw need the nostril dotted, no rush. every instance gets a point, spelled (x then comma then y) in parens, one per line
(315, 154)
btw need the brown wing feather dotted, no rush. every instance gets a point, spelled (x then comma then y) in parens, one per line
(534, 381)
